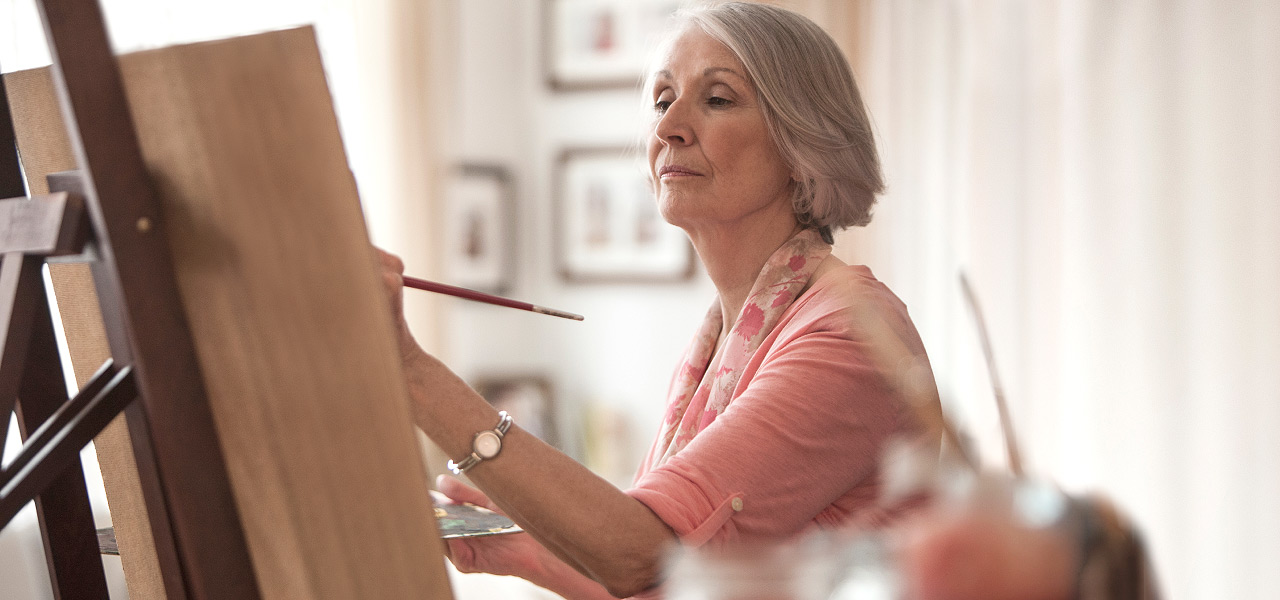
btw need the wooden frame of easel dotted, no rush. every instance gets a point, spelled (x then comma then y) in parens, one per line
(197, 531)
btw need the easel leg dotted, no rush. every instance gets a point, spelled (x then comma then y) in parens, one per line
(11, 185)
(19, 275)
(66, 518)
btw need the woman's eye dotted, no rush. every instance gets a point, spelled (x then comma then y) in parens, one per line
(718, 101)
(662, 105)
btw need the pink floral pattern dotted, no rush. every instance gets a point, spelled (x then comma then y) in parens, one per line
(705, 384)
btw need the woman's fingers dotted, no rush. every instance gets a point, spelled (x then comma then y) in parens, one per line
(390, 262)
(462, 555)
(515, 554)
(393, 284)
(461, 492)
(392, 272)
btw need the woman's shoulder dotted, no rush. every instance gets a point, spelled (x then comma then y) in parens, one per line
(848, 297)
(850, 285)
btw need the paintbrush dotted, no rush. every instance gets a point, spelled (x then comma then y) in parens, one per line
(452, 290)
(1002, 408)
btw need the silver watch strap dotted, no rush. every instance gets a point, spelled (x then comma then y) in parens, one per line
(460, 467)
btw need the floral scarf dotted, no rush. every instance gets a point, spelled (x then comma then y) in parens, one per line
(703, 387)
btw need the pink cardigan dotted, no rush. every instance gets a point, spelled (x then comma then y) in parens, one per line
(801, 442)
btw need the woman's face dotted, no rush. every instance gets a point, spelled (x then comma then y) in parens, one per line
(710, 155)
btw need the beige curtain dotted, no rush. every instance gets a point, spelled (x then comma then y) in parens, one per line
(1107, 174)
(398, 95)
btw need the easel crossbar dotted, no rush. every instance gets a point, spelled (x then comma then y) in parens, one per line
(45, 225)
(69, 411)
(57, 444)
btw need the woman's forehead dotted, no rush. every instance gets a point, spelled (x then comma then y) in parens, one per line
(693, 52)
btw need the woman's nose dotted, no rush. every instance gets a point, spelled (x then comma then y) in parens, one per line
(673, 125)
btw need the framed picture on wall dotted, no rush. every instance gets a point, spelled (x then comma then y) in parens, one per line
(479, 228)
(528, 399)
(602, 43)
(608, 228)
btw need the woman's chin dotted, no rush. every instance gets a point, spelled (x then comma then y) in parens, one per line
(671, 213)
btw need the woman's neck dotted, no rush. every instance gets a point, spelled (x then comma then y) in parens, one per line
(734, 256)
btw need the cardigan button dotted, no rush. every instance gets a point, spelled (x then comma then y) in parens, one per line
(737, 504)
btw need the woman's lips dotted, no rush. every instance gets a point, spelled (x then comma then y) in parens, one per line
(676, 171)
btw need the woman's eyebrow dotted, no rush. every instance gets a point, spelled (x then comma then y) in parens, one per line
(705, 73)
(713, 70)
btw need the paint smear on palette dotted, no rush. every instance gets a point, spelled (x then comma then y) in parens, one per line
(468, 520)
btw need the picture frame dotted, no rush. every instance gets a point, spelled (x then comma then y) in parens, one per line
(479, 234)
(528, 398)
(593, 44)
(608, 227)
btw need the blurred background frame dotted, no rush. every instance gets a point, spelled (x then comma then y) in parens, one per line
(479, 236)
(528, 398)
(608, 227)
(593, 44)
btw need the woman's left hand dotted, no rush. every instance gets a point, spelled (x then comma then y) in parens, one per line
(516, 554)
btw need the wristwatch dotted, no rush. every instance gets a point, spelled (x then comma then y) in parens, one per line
(484, 446)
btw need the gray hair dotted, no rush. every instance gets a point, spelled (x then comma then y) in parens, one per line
(811, 107)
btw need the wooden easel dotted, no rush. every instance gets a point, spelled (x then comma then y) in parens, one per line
(307, 492)
(199, 539)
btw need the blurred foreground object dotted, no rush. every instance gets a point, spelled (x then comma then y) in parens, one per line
(982, 537)
(820, 566)
(992, 536)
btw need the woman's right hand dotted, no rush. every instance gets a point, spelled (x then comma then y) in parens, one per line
(393, 284)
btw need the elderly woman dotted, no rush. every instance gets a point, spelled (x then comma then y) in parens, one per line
(759, 148)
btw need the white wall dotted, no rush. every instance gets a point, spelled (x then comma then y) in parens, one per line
(504, 112)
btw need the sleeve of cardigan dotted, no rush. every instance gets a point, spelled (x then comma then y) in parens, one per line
(807, 429)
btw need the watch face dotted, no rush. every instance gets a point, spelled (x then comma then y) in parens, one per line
(487, 444)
